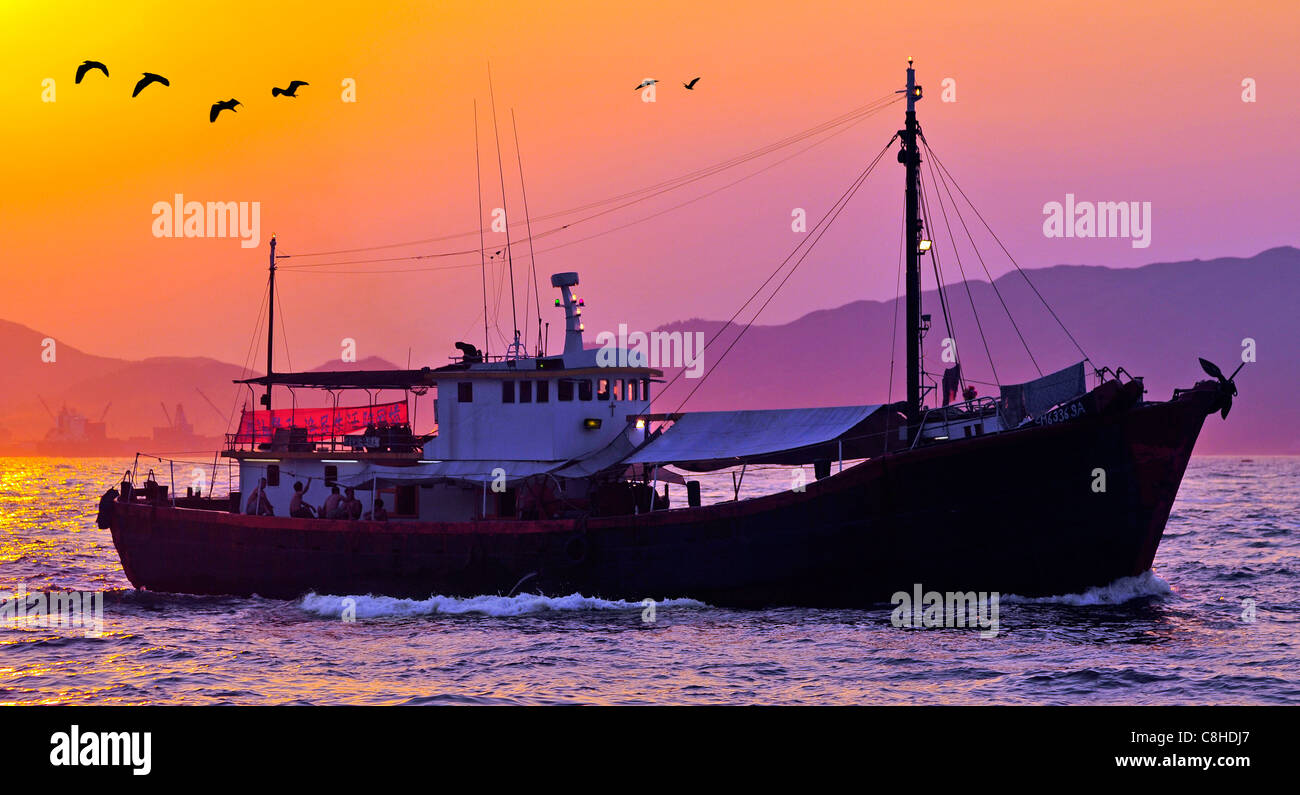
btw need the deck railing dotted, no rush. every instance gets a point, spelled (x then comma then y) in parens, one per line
(958, 413)
(381, 438)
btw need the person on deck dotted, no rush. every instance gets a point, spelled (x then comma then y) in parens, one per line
(332, 509)
(258, 503)
(379, 514)
(352, 505)
(298, 508)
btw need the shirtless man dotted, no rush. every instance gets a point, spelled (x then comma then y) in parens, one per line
(331, 509)
(258, 503)
(352, 505)
(298, 508)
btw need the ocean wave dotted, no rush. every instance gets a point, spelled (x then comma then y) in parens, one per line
(1145, 585)
(371, 606)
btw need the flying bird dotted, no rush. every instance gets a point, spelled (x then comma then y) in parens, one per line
(691, 85)
(644, 83)
(220, 106)
(149, 77)
(290, 91)
(86, 66)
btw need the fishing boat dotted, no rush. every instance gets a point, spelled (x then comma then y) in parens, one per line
(550, 473)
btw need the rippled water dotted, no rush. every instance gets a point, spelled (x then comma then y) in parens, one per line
(1173, 637)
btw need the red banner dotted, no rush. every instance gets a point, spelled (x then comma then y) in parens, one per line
(321, 424)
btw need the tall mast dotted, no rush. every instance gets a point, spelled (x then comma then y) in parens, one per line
(910, 156)
(270, 330)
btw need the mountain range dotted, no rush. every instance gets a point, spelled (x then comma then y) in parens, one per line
(1154, 321)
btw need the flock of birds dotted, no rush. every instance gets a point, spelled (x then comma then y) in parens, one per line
(650, 81)
(150, 78)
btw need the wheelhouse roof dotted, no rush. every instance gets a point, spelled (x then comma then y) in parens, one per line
(425, 377)
(349, 379)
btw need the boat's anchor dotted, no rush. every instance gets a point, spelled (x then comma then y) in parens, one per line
(1227, 386)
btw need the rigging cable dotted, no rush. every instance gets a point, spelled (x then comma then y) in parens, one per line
(514, 317)
(528, 225)
(992, 283)
(284, 335)
(478, 179)
(248, 357)
(829, 221)
(771, 276)
(1022, 272)
(938, 271)
(893, 333)
(957, 254)
(620, 227)
(679, 181)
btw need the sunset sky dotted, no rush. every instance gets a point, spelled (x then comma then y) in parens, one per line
(1110, 101)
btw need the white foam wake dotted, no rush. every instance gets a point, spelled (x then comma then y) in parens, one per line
(370, 606)
(1146, 584)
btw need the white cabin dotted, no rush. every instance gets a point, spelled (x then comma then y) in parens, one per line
(514, 436)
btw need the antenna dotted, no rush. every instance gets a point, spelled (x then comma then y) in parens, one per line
(514, 347)
(532, 256)
(482, 261)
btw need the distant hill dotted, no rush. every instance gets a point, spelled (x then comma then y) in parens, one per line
(1154, 321)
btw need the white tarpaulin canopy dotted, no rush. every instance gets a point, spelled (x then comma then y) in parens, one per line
(1032, 398)
(718, 436)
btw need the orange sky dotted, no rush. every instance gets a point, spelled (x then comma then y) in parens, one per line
(1107, 100)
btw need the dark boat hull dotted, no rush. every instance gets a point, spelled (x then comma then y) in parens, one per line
(1016, 512)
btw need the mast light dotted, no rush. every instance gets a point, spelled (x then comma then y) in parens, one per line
(924, 246)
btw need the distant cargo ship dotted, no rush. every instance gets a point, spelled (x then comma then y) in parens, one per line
(76, 436)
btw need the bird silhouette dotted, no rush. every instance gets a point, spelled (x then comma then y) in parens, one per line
(86, 66)
(149, 77)
(217, 107)
(644, 83)
(291, 91)
(691, 85)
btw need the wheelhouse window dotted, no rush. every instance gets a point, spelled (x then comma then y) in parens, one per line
(602, 391)
(465, 392)
(617, 387)
(645, 388)
(584, 389)
(507, 391)
(564, 390)
(543, 390)
(525, 391)
(631, 389)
